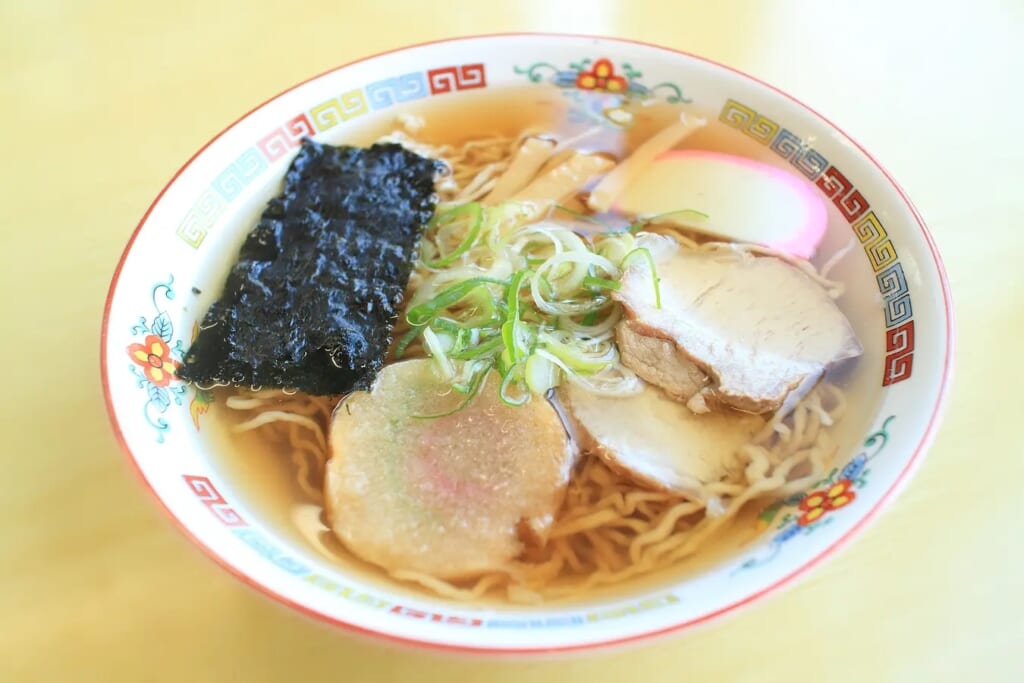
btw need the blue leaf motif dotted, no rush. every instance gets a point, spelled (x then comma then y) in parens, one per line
(854, 468)
(141, 327)
(158, 397)
(162, 327)
(786, 534)
(535, 71)
(140, 378)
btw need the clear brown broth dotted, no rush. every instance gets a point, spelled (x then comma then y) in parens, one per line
(262, 475)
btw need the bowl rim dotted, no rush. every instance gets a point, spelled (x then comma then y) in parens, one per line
(902, 478)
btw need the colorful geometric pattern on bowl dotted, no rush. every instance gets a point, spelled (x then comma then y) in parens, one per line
(889, 275)
(263, 546)
(334, 111)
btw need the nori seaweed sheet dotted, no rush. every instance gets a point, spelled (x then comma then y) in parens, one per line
(312, 302)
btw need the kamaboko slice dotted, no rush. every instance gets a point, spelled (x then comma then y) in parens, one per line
(454, 495)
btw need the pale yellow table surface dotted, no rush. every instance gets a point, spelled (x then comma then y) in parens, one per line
(100, 103)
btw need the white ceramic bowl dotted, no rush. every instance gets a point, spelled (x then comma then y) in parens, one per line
(175, 262)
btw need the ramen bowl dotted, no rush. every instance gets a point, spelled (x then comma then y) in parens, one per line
(240, 506)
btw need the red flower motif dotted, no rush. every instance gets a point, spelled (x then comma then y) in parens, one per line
(816, 503)
(601, 77)
(154, 357)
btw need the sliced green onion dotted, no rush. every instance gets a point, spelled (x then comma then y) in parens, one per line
(601, 383)
(586, 218)
(510, 330)
(445, 339)
(479, 319)
(508, 338)
(488, 347)
(659, 217)
(510, 382)
(427, 311)
(518, 338)
(482, 302)
(463, 383)
(446, 325)
(512, 295)
(601, 283)
(459, 342)
(540, 374)
(691, 212)
(471, 212)
(547, 290)
(583, 263)
(642, 252)
(437, 351)
(504, 361)
(572, 357)
(475, 382)
(408, 338)
(495, 217)
(615, 247)
(591, 326)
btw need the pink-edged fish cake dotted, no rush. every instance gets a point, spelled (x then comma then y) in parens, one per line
(744, 200)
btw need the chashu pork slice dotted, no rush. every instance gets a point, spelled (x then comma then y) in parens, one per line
(741, 330)
(451, 496)
(657, 441)
(655, 359)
